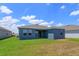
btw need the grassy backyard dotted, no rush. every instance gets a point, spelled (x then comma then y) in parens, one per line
(38, 47)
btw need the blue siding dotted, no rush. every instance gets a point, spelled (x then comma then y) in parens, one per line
(57, 33)
(22, 36)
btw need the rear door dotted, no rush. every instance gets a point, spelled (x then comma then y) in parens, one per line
(50, 36)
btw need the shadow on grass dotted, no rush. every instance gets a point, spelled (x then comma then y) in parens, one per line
(34, 39)
(39, 39)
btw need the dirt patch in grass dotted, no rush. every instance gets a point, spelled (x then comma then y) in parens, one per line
(59, 49)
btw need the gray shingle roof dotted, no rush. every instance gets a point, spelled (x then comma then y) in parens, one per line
(56, 27)
(3, 29)
(71, 27)
(40, 27)
(34, 27)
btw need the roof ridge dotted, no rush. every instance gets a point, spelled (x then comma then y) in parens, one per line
(5, 28)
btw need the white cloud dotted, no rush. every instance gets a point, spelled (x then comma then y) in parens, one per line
(74, 13)
(35, 21)
(47, 23)
(10, 23)
(44, 23)
(51, 22)
(21, 25)
(9, 19)
(32, 20)
(29, 17)
(5, 9)
(62, 7)
(59, 24)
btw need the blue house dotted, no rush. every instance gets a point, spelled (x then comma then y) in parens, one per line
(38, 31)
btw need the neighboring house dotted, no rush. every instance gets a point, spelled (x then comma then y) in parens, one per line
(71, 31)
(38, 31)
(4, 33)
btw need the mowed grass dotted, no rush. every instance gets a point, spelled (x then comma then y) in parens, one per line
(39, 47)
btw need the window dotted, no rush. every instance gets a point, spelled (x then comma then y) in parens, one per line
(24, 33)
(61, 33)
(30, 33)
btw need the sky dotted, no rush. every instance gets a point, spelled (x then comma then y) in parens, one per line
(14, 15)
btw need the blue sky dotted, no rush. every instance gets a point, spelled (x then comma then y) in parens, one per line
(38, 13)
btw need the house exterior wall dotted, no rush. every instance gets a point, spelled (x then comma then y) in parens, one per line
(4, 34)
(72, 33)
(35, 34)
(22, 36)
(57, 33)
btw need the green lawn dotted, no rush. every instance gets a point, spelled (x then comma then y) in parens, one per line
(38, 47)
